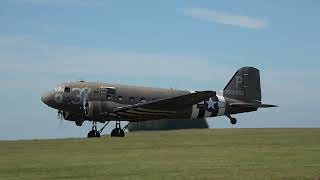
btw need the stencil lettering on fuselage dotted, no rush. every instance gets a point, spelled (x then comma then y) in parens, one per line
(85, 94)
(78, 95)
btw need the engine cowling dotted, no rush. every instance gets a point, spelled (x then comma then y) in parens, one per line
(73, 117)
(94, 108)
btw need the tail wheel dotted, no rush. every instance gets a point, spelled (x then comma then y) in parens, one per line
(233, 121)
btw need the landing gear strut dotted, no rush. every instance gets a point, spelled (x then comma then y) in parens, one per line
(94, 132)
(118, 132)
(232, 120)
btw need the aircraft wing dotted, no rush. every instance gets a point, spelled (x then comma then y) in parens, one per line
(162, 108)
(252, 105)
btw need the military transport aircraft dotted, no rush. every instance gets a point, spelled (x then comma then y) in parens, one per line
(100, 102)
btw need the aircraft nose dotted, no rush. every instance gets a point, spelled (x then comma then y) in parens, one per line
(47, 98)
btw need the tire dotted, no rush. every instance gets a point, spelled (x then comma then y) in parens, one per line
(113, 132)
(121, 133)
(97, 134)
(233, 121)
(91, 134)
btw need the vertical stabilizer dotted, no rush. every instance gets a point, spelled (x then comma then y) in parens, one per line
(244, 85)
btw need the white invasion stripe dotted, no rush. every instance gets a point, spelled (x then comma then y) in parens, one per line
(195, 110)
(219, 93)
(221, 109)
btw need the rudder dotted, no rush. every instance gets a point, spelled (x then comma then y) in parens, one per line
(244, 85)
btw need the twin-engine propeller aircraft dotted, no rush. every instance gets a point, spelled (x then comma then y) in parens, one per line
(100, 102)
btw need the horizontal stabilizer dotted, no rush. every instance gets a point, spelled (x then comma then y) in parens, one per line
(252, 105)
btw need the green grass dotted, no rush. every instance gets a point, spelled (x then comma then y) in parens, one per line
(184, 154)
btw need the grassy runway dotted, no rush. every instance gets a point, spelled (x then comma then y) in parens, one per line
(183, 154)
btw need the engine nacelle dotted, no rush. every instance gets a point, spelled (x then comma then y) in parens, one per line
(94, 108)
(71, 117)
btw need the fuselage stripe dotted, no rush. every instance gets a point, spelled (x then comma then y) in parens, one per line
(194, 110)
(221, 109)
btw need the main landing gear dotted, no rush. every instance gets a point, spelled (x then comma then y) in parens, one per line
(118, 132)
(94, 132)
(232, 119)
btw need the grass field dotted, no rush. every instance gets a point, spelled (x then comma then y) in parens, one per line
(183, 154)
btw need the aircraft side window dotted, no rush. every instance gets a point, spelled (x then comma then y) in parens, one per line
(142, 100)
(109, 97)
(103, 90)
(111, 90)
(67, 89)
(108, 90)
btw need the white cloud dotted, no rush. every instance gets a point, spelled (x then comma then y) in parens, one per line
(225, 18)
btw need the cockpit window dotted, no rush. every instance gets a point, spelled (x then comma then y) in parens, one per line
(108, 90)
(67, 89)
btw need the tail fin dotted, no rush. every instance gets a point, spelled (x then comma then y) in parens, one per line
(244, 85)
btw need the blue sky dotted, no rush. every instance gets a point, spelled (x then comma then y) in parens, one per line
(194, 45)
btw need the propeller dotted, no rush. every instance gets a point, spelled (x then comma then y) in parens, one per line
(85, 101)
(60, 117)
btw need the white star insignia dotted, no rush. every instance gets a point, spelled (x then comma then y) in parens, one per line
(211, 105)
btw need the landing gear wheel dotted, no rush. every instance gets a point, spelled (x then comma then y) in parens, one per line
(233, 121)
(93, 133)
(117, 132)
(121, 133)
(113, 132)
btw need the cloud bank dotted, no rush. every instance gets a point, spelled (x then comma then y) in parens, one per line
(225, 18)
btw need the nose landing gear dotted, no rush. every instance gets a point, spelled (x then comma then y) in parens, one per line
(232, 119)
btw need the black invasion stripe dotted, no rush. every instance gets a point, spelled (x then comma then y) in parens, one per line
(150, 113)
(127, 114)
(133, 111)
(135, 114)
(214, 113)
(201, 113)
(153, 111)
